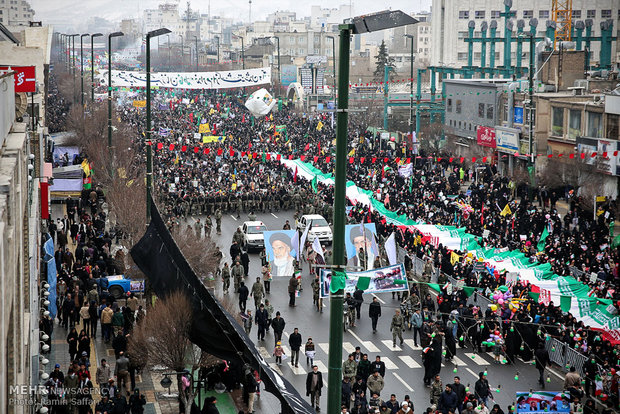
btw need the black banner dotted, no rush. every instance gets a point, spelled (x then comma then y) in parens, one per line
(213, 329)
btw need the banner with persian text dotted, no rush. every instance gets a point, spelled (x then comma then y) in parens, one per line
(224, 79)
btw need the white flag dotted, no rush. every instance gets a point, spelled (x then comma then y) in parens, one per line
(304, 236)
(316, 246)
(390, 249)
(295, 244)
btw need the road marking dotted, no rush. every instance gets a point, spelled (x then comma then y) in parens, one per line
(411, 344)
(472, 372)
(274, 215)
(276, 368)
(389, 344)
(410, 362)
(233, 217)
(321, 366)
(478, 358)
(388, 363)
(457, 361)
(298, 370)
(347, 346)
(378, 298)
(367, 344)
(407, 386)
(264, 353)
(325, 347)
(286, 350)
(555, 373)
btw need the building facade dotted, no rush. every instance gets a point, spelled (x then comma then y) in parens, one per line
(15, 13)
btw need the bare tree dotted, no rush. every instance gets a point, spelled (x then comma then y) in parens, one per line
(127, 201)
(163, 338)
(202, 254)
(432, 137)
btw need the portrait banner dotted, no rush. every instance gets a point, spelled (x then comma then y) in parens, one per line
(357, 241)
(384, 279)
(281, 254)
(224, 79)
(543, 402)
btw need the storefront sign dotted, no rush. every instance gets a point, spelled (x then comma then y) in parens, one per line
(507, 139)
(486, 136)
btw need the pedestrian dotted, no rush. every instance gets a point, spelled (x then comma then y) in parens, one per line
(237, 275)
(316, 294)
(118, 321)
(416, 323)
(482, 388)
(292, 287)
(375, 383)
(266, 272)
(258, 292)
(261, 319)
(392, 404)
(314, 384)
(211, 402)
(278, 352)
(397, 327)
(405, 409)
(459, 390)
(73, 341)
(436, 390)
(363, 367)
(358, 296)
(294, 341)
(278, 325)
(245, 262)
(269, 309)
(243, 292)
(349, 367)
(378, 366)
(121, 370)
(93, 319)
(225, 278)
(346, 393)
(84, 343)
(247, 321)
(137, 401)
(448, 401)
(310, 352)
(542, 361)
(374, 312)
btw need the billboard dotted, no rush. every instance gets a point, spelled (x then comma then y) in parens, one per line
(507, 139)
(25, 79)
(543, 402)
(289, 74)
(486, 136)
(385, 279)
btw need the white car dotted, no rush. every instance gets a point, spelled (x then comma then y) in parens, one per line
(253, 235)
(320, 228)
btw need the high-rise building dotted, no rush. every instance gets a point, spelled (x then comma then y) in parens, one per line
(15, 13)
(450, 19)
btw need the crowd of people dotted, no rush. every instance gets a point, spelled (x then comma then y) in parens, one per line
(237, 172)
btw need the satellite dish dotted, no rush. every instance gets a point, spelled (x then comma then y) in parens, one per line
(21, 105)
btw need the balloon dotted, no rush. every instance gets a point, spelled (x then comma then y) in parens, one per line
(500, 301)
(493, 307)
(260, 102)
(496, 332)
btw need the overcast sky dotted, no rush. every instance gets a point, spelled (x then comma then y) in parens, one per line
(73, 12)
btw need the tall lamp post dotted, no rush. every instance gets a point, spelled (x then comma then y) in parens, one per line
(149, 155)
(110, 36)
(242, 56)
(182, 51)
(333, 61)
(218, 49)
(196, 39)
(72, 43)
(363, 24)
(279, 67)
(169, 66)
(92, 65)
(408, 36)
(82, 68)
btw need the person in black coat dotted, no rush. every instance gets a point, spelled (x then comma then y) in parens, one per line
(542, 361)
(294, 340)
(314, 383)
(261, 318)
(243, 292)
(378, 366)
(209, 407)
(137, 401)
(358, 296)
(346, 392)
(374, 312)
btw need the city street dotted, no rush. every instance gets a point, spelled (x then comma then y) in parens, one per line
(404, 370)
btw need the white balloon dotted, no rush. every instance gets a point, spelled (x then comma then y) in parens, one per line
(260, 102)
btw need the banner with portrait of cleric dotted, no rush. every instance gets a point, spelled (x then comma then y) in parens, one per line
(361, 238)
(280, 248)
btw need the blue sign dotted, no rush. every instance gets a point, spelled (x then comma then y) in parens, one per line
(518, 118)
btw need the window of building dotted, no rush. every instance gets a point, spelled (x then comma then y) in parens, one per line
(449, 105)
(462, 35)
(613, 126)
(591, 14)
(301, 40)
(479, 14)
(618, 14)
(528, 14)
(480, 110)
(606, 14)
(490, 110)
(462, 56)
(576, 14)
(477, 55)
(595, 125)
(495, 14)
(557, 126)
(464, 14)
(574, 124)
(458, 106)
(543, 14)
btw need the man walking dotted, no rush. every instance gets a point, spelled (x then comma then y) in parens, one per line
(261, 320)
(292, 287)
(374, 311)
(225, 278)
(314, 383)
(294, 341)
(258, 292)
(417, 322)
(278, 327)
(237, 274)
(542, 361)
(397, 327)
(243, 296)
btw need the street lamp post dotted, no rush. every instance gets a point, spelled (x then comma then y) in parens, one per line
(372, 22)
(182, 51)
(411, 95)
(82, 69)
(196, 39)
(279, 68)
(218, 49)
(72, 41)
(149, 164)
(169, 67)
(92, 65)
(110, 36)
(333, 61)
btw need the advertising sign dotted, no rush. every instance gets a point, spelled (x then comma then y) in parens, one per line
(507, 139)
(486, 136)
(518, 117)
(313, 60)
(289, 74)
(25, 78)
(381, 280)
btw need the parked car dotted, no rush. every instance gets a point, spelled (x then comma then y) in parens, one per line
(119, 285)
(253, 235)
(320, 228)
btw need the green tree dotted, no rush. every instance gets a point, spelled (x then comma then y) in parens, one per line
(383, 60)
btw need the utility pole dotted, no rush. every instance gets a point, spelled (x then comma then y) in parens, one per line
(410, 37)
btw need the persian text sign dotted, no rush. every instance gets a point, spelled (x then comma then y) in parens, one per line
(25, 79)
(192, 80)
(486, 136)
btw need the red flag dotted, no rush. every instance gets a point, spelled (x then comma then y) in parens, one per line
(397, 160)
(191, 117)
(362, 159)
(254, 155)
(243, 119)
(171, 147)
(482, 215)
(295, 175)
(206, 151)
(473, 159)
(350, 160)
(219, 151)
(303, 158)
(383, 172)
(160, 145)
(184, 148)
(196, 149)
(290, 157)
(319, 146)
(279, 157)
(328, 159)
(307, 147)
(214, 131)
(232, 152)
(268, 156)
(243, 153)
(249, 145)
(315, 158)
(374, 159)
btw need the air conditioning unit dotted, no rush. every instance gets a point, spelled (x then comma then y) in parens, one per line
(599, 98)
(582, 83)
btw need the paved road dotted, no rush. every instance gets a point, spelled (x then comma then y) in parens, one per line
(404, 370)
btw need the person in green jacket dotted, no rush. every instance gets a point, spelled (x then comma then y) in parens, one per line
(118, 321)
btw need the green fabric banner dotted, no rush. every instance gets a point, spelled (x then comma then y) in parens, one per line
(338, 281)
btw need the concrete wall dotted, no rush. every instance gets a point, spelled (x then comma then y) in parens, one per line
(573, 65)
(470, 95)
